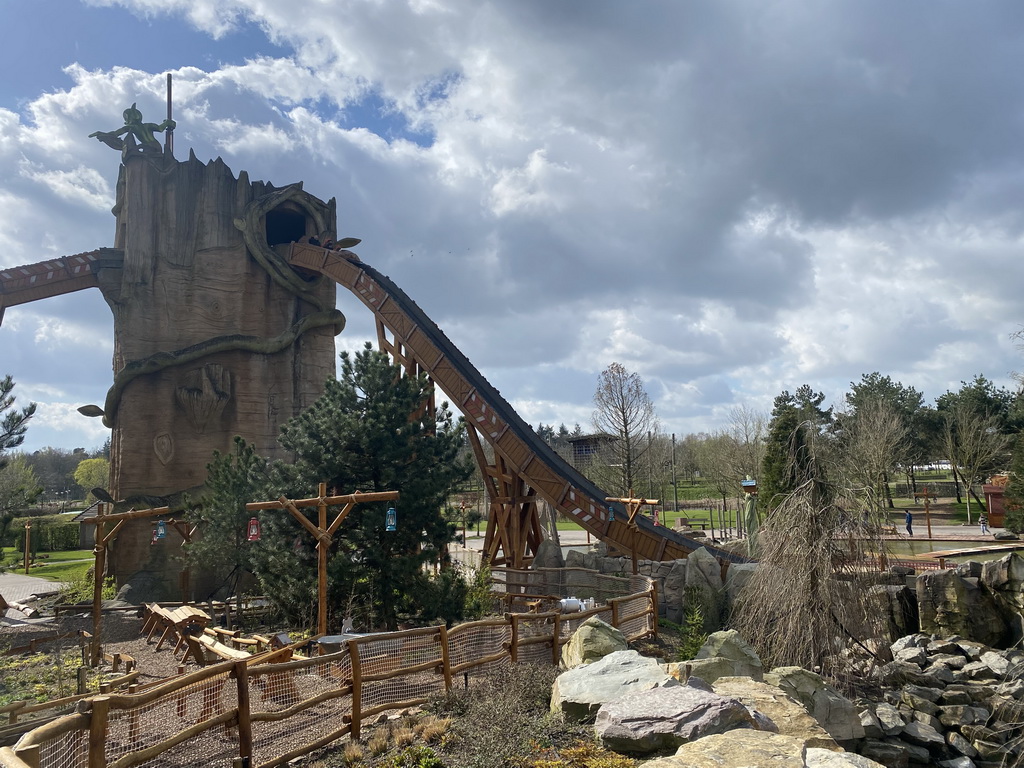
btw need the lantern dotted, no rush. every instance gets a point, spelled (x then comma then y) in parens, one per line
(656, 517)
(611, 515)
(161, 530)
(391, 520)
(253, 532)
(153, 540)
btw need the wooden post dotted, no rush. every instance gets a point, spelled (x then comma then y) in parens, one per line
(321, 548)
(613, 603)
(99, 565)
(446, 664)
(556, 655)
(513, 646)
(98, 732)
(927, 510)
(241, 673)
(632, 508)
(322, 532)
(28, 544)
(357, 689)
(654, 605)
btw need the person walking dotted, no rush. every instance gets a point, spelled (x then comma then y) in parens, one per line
(983, 522)
(910, 524)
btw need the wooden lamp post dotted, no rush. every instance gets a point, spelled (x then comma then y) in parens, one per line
(632, 507)
(323, 532)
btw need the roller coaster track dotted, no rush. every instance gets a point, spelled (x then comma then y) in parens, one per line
(19, 285)
(524, 468)
(519, 468)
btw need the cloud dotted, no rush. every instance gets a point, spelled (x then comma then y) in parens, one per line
(731, 200)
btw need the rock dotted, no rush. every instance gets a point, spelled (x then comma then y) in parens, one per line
(833, 711)
(675, 584)
(729, 644)
(750, 749)
(580, 692)
(549, 555)
(704, 583)
(898, 604)
(738, 576)
(788, 715)
(824, 758)
(661, 718)
(997, 663)
(949, 603)
(912, 656)
(923, 735)
(575, 559)
(918, 703)
(889, 754)
(871, 725)
(594, 639)
(1006, 536)
(957, 762)
(960, 744)
(908, 641)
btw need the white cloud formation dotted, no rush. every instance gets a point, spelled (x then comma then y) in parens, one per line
(731, 200)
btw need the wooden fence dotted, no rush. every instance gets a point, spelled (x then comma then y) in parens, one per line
(234, 714)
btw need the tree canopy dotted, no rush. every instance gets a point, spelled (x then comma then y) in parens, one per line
(369, 431)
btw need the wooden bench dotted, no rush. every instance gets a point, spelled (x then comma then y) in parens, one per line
(180, 622)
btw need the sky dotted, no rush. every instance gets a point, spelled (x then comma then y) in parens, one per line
(729, 198)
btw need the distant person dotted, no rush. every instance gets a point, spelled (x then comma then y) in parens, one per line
(983, 522)
(910, 524)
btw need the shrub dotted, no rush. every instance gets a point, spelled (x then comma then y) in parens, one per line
(79, 590)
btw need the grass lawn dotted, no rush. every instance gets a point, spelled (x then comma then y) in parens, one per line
(68, 565)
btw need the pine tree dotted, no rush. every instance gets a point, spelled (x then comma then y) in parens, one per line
(1013, 499)
(369, 431)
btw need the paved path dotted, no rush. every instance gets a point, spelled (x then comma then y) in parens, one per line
(17, 588)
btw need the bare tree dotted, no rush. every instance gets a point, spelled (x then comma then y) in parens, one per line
(624, 411)
(872, 445)
(973, 443)
(748, 429)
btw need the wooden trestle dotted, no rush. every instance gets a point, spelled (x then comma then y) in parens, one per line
(518, 467)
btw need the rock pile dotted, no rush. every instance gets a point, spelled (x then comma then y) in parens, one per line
(949, 701)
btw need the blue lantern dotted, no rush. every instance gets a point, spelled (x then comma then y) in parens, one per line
(611, 515)
(161, 529)
(391, 520)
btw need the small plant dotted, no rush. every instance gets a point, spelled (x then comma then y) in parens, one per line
(379, 742)
(403, 736)
(692, 632)
(434, 729)
(353, 753)
(79, 590)
(415, 757)
(584, 754)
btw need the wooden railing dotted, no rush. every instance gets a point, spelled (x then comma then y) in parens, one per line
(235, 714)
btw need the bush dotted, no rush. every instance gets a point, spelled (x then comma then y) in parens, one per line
(80, 590)
(501, 721)
(49, 534)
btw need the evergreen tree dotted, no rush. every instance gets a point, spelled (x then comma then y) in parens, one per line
(797, 420)
(369, 431)
(233, 479)
(1014, 496)
(13, 423)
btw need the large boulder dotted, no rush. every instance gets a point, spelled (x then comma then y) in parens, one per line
(580, 692)
(549, 555)
(594, 639)
(674, 590)
(724, 654)
(789, 715)
(951, 604)
(750, 749)
(737, 577)
(662, 718)
(1004, 580)
(703, 584)
(833, 711)
(897, 606)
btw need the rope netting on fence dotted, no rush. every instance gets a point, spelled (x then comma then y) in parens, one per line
(271, 713)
